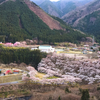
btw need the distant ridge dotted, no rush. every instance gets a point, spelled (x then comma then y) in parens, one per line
(60, 8)
(86, 19)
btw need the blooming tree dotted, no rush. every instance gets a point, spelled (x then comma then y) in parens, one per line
(86, 69)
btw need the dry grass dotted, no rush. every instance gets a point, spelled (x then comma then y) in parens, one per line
(54, 95)
(52, 77)
(72, 52)
(75, 94)
(40, 75)
(52, 92)
(10, 78)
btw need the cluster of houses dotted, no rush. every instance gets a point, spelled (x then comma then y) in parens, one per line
(50, 49)
(85, 49)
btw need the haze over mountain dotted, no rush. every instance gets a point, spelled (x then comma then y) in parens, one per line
(81, 14)
(86, 19)
(22, 19)
(61, 7)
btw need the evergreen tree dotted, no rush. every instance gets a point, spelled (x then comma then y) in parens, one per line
(59, 98)
(19, 55)
(85, 95)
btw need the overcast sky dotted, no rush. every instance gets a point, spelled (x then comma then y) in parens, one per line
(67, 0)
(54, 0)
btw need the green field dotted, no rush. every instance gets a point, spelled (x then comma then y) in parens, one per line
(70, 52)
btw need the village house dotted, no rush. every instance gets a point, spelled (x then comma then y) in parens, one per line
(46, 49)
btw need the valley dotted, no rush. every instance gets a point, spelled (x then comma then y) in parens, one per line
(58, 75)
(49, 50)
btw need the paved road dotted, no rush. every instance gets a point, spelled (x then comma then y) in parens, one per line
(9, 83)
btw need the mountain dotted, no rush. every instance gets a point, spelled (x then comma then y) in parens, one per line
(61, 7)
(38, 2)
(50, 8)
(23, 19)
(65, 6)
(86, 19)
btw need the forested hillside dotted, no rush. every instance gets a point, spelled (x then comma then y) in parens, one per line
(77, 14)
(91, 25)
(86, 19)
(18, 22)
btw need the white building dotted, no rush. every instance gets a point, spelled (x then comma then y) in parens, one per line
(46, 49)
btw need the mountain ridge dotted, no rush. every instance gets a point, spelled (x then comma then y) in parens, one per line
(86, 19)
(22, 19)
(50, 8)
(72, 17)
(60, 8)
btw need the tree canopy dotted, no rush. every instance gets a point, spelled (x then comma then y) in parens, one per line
(18, 22)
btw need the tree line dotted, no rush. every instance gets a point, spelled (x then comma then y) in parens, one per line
(20, 54)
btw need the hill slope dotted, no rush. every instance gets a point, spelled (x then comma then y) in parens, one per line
(86, 19)
(22, 19)
(91, 24)
(74, 16)
(53, 24)
(65, 6)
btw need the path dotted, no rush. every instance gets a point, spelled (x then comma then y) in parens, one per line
(9, 83)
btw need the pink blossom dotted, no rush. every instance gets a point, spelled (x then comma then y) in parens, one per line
(8, 44)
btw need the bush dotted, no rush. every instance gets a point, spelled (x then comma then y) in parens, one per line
(50, 98)
(80, 90)
(67, 90)
(98, 88)
(99, 48)
(85, 95)
(59, 98)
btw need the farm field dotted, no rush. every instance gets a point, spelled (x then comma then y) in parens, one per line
(59, 76)
(10, 78)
